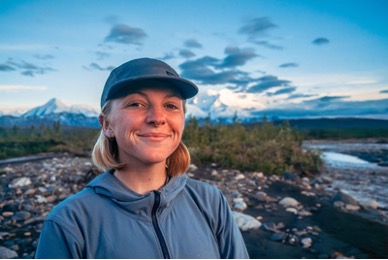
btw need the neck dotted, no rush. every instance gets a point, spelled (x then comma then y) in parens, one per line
(143, 179)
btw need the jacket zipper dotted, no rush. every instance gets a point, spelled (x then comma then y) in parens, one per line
(166, 254)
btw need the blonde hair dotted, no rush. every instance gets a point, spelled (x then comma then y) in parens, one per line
(105, 151)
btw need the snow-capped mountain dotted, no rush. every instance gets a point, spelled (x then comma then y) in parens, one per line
(56, 106)
(54, 111)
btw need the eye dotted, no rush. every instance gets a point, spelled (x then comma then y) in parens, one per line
(135, 104)
(172, 107)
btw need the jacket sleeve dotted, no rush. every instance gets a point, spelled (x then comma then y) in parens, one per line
(57, 242)
(230, 241)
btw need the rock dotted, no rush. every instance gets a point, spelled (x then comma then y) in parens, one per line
(352, 207)
(338, 204)
(370, 204)
(306, 242)
(289, 202)
(345, 198)
(259, 175)
(40, 199)
(292, 210)
(278, 236)
(240, 176)
(288, 176)
(6, 253)
(7, 214)
(22, 215)
(192, 168)
(246, 222)
(20, 182)
(239, 204)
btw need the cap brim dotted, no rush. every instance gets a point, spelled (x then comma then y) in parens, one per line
(186, 88)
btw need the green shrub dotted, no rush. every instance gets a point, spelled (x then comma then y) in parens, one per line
(262, 147)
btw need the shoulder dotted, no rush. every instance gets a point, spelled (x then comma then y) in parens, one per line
(206, 193)
(73, 205)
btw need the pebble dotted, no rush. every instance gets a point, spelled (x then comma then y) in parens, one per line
(20, 182)
(306, 242)
(289, 202)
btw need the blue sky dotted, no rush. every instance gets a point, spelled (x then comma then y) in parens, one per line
(255, 55)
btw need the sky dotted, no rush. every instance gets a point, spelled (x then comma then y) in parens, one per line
(321, 57)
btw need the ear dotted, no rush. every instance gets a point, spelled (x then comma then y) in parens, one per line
(105, 126)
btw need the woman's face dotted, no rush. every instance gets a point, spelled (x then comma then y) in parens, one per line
(147, 125)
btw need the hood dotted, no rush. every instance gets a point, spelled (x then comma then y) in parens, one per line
(108, 185)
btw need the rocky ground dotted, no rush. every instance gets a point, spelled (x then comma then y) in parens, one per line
(280, 217)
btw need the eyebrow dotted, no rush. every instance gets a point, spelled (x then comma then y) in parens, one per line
(173, 94)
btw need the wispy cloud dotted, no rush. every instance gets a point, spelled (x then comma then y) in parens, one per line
(289, 65)
(385, 91)
(6, 67)
(257, 27)
(192, 43)
(320, 41)
(125, 34)
(237, 57)
(95, 66)
(268, 45)
(20, 88)
(281, 91)
(44, 56)
(186, 53)
(26, 68)
(266, 82)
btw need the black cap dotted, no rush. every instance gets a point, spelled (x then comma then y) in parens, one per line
(141, 73)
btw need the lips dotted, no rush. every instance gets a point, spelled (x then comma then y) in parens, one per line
(154, 136)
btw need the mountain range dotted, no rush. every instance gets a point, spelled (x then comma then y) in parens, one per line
(200, 107)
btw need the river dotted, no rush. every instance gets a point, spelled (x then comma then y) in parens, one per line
(358, 168)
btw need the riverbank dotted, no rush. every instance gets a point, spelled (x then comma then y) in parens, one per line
(291, 217)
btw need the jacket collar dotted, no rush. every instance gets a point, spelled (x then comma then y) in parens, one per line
(108, 185)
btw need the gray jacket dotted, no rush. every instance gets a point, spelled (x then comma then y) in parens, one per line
(184, 219)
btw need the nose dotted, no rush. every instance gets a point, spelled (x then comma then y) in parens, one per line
(156, 116)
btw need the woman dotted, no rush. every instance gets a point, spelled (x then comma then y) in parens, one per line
(143, 206)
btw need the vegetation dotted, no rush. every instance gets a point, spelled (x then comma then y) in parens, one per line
(20, 141)
(263, 147)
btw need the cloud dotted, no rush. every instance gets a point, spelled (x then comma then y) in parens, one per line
(281, 91)
(203, 70)
(257, 27)
(6, 67)
(237, 57)
(125, 34)
(267, 82)
(336, 107)
(186, 53)
(268, 45)
(385, 91)
(101, 55)
(300, 95)
(44, 56)
(289, 65)
(19, 88)
(95, 66)
(192, 43)
(28, 69)
(320, 41)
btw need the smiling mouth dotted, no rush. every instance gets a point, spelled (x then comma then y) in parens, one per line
(154, 136)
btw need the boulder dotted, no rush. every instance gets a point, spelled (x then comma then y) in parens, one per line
(6, 253)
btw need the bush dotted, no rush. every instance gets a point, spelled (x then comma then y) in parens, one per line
(262, 147)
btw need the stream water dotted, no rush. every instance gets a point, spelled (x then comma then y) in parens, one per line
(362, 178)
